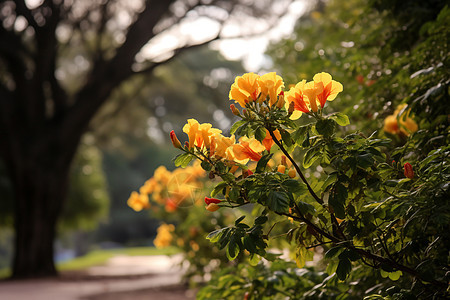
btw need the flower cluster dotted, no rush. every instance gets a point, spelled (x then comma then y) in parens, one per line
(304, 97)
(400, 122)
(169, 189)
(211, 144)
(164, 235)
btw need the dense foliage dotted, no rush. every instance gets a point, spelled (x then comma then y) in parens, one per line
(362, 194)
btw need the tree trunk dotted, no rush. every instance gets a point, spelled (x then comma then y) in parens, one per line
(40, 178)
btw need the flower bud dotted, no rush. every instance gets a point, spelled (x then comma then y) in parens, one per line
(284, 160)
(280, 102)
(292, 173)
(291, 108)
(408, 170)
(281, 169)
(176, 143)
(212, 200)
(246, 173)
(234, 110)
(212, 207)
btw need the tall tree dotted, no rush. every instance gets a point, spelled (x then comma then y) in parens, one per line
(47, 101)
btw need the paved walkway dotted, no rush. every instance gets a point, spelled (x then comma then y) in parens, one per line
(120, 274)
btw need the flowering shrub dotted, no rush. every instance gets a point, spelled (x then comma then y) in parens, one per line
(365, 205)
(177, 198)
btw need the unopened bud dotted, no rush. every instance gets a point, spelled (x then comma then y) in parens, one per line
(291, 108)
(234, 110)
(212, 200)
(281, 169)
(280, 102)
(176, 143)
(212, 207)
(292, 173)
(246, 173)
(408, 170)
(284, 160)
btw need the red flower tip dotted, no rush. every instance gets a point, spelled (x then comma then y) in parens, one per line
(212, 200)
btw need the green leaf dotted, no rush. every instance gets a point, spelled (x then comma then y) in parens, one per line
(214, 236)
(233, 248)
(234, 194)
(262, 163)
(218, 188)
(344, 268)
(286, 138)
(306, 208)
(249, 244)
(333, 252)
(395, 275)
(278, 201)
(300, 256)
(337, 199)
(325, 127)
(236, 126)
(183, 160)
(261, 220)
(299, 135)
(330, 180)
(341, 119)
(254, 259)
(310, 157)
(238, 220)
(206, 166)
(260, 133)
(293, 186)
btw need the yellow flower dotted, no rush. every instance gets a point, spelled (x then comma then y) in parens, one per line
(164, 236)
(221, 144)
(268, 141)
(138, 201)
(191, 129)
(311, 90)
(330, 88)
(247, 148)
(271, 85)
(245, 88)
(402, 124)
(295, 95)
(199, 134)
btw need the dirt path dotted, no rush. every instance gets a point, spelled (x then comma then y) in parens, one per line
(123, 277)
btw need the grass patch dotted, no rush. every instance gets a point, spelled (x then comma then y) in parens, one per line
(100, 257)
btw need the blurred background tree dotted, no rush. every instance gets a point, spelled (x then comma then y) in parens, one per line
(62, 61)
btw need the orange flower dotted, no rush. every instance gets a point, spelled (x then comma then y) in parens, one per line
(245, 88)
(268, 141)
(220, 145)
(138, 201)
(171, 205)
(271, 85)
(164, 236)
(402, 124)
(248, 148)
(312, 90)
(295, 95)
(199, 134)
(330, 88)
